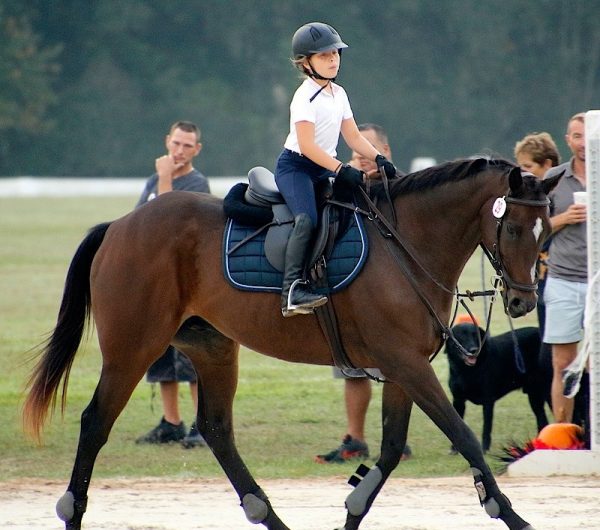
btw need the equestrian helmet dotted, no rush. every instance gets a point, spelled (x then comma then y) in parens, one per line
(315, 37)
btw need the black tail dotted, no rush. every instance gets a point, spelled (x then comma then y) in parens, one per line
(58, 352)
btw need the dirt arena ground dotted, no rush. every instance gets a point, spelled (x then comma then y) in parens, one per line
(556, 503)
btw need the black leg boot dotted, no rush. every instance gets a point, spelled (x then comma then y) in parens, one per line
(296, 296)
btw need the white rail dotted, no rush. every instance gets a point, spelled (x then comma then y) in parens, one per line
(80, 187)
(592, 169)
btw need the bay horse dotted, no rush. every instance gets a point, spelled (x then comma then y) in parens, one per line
(154, 277)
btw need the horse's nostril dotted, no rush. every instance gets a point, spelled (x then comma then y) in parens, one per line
(517, 307)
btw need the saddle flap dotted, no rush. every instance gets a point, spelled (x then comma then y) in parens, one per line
(277, 236)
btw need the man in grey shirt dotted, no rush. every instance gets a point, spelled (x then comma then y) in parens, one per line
(566, 286)
(174, 171)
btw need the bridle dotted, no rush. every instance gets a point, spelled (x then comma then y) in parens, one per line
(389, 232)
(495, 256)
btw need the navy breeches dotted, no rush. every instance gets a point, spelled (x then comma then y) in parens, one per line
(296, 176)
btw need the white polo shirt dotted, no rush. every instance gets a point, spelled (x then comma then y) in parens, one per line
(326, 111)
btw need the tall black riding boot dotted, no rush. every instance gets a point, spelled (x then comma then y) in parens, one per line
(296, 296)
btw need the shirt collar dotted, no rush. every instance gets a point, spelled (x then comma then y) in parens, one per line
(335, 88)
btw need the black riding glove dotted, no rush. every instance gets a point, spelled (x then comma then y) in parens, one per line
(388, 168)
(349, 177)
(346, 181)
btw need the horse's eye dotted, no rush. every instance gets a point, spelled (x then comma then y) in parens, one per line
(512, 230)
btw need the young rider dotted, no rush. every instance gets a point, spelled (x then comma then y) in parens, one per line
(319, 111)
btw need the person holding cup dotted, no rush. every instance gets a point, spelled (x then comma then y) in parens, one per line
(566, 285)
(580, 197)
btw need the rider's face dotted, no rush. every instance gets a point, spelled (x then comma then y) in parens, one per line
(326, 64)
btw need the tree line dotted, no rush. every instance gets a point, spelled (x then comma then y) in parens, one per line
(90, 88)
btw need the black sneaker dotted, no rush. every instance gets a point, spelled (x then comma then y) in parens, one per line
(193, 438)
(350, 449)
(163, 433)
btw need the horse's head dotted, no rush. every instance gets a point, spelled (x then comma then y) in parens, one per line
(519, 226)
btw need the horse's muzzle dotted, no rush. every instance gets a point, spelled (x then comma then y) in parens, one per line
(518, 304)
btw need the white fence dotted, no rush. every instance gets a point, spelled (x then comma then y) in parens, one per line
(592, 164)
(582, 462)
(79, 187)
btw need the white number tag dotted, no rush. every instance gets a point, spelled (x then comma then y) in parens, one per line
(499, 207)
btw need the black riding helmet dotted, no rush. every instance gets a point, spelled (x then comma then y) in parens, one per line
(315, 37)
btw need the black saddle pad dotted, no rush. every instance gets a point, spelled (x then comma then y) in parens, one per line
(248, 269)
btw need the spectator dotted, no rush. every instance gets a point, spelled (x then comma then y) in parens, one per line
(378, 137)
(357, 386)
(537, 153)
(566, 286)
(174, 171)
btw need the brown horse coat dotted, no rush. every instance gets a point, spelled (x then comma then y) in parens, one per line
(154, 277)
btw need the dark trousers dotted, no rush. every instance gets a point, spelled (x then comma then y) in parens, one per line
(296, 177)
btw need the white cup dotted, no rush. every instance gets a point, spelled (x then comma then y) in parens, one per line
(580, 197)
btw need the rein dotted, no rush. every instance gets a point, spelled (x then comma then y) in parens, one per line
(374, 214)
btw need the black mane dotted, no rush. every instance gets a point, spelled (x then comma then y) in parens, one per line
(444, 173)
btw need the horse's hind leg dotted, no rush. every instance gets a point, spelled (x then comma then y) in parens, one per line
(423, 386)
(396, 411)
(112, 393)
(215, 358)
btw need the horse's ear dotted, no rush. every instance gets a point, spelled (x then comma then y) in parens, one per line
(550, 183)
(515, 179)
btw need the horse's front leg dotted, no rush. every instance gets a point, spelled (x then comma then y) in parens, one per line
(396, 411)
(425, 389)
(459, 402)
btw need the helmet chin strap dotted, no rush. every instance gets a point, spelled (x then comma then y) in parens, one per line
(316, 75)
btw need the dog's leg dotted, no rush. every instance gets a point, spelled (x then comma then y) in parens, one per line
(459, 404)
(537, 402)
(488, 420)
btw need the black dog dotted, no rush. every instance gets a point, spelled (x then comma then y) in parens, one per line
(494, 373)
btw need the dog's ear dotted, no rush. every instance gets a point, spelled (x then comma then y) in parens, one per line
(482, 333)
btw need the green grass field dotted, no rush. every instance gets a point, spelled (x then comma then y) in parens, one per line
(284, 413)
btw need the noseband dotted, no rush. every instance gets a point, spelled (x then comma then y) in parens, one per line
(495, 257)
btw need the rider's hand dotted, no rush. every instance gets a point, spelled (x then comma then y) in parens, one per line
(388, 167)
(349, 177)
